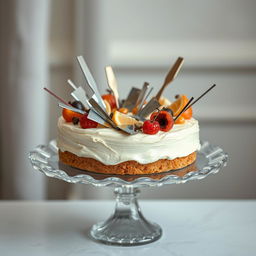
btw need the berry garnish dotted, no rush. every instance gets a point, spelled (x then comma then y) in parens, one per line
(164, 119)
(78, 104)
(150, 127)
(68, 115)
(87, 123)
(75, 120)
(111, 100)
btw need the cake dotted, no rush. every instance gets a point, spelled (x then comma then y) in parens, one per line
(106, 135)
(105, 150)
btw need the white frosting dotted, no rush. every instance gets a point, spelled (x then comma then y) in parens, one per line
(112, 147)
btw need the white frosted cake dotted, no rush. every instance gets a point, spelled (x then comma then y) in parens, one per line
(139, 134)
(106, 150)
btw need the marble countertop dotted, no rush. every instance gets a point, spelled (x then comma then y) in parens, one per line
(189, 228)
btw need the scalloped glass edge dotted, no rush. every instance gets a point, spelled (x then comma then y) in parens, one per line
(40, 157)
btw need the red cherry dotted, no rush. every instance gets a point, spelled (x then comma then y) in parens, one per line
(87, 123)
(150, 127)
(111, 100)
(164, 119)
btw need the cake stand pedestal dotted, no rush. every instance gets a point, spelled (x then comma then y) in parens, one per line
(127, 225)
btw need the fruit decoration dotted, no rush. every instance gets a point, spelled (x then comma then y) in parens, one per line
(123, 110)
(78, 104)
(164, 119)
(126, 115)
(180, 120)
(164, 102)
(123, 119)
(68, 115)
(75, 120)
(150, 127)
(71, 116)
(108, 107)
(110, 98)
(87, 123)
(178, 105)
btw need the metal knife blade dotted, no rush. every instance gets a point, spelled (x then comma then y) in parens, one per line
(62, 105)
(142, 94)
(130, 129)
(132, 98)
(152, 105)
(91, 86)
(101, 112)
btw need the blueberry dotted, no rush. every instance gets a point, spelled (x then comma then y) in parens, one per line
(78, 104)
(75, 120)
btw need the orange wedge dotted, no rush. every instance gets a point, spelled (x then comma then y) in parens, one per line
(123, 119)
(180, 120)
(108, 107)
(164, 101)
(123, 110)
(179, 104)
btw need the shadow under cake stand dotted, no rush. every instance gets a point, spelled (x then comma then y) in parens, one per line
(127, 226)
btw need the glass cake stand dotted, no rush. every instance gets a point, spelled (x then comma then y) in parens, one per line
(127, 226)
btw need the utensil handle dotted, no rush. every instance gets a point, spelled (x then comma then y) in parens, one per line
(170, 76)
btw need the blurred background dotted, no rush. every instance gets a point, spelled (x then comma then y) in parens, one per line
(39, 41)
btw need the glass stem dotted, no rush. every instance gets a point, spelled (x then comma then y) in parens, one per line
(126, 203)
(126, 226)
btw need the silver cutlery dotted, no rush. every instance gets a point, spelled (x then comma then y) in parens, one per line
(170, 76)
(132, 98)
(62, 105)
(112, 83)
(91, 84)
(142, 94)
(152, 105)
(130, 129)
(78, 93)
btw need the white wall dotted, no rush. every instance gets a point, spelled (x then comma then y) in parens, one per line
(141, 39)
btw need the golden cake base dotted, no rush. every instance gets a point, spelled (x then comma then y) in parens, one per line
(125, 168)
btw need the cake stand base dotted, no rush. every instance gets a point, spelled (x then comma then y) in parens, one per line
(127, 226)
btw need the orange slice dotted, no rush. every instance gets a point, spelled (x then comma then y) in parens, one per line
(179, 104)
(123, 119)
(180, 120)
(164, 102)
(123, 110)
(108, 107)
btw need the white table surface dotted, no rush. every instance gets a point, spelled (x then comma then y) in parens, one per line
(189, 228)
